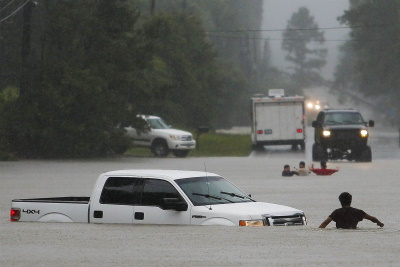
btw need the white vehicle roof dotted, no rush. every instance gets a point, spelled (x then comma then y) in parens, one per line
(148, 116)
(156, 173)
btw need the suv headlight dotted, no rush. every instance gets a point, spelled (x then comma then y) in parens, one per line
(326, 133)
(364, 133)
(175, 137)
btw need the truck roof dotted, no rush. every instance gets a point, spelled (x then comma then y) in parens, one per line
(332, 110)
(147, 116)
(158, 173)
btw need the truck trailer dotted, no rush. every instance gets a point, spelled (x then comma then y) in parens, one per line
(278, 120)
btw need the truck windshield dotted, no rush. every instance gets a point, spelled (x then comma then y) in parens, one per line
(211, 190)
(343, 118)
(157, 124)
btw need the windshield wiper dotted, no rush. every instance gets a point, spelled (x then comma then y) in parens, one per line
(211, 196)
(237, 195)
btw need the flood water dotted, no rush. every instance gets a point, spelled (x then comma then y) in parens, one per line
(374, 186)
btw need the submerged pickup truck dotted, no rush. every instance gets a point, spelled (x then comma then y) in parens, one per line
(159, 197)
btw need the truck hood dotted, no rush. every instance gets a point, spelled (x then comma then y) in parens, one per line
(345, 127)
(171, 132)
(253, 209)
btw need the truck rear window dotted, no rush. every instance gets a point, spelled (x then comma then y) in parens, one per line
(120, 191)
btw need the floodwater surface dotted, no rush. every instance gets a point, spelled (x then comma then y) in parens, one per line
(374, 186)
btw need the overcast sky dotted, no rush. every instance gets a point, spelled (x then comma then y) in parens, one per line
(325, 13)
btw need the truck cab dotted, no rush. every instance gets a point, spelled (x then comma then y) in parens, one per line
(181, 197)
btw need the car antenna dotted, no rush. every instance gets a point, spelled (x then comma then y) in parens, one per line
(208, 186)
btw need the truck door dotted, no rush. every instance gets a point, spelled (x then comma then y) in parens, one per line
(151, 209)
(115, 204)
(291, 119)
(268, 121)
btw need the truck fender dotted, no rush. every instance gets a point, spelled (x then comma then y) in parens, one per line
(55, 217)
(218, 221)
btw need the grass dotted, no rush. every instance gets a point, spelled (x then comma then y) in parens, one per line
(210, 145)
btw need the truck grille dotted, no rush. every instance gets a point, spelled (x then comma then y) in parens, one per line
(186, 138)
(292, 220)
(346, 134)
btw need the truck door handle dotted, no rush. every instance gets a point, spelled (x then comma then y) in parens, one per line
(139, 216)
(98, 214)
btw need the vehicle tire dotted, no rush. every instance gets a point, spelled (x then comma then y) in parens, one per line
(366, 154)
(302, 146)
(180, 153)
(258, 147)
(160, 149)
(318, 153)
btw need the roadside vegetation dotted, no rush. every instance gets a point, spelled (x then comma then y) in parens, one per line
(210, 145)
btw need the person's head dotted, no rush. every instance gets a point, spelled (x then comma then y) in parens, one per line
(302, 164)
(323, 164)
(286, 167)
(345, 199)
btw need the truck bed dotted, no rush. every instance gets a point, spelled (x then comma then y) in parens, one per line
(54, 209)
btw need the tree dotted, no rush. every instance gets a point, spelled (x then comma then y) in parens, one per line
(181, 76)
(82, 76)
(308, 61)
(376, 51)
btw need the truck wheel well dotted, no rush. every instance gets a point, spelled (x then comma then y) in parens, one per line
(55, 217)
(159, 147)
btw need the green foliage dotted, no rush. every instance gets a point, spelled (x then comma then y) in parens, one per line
(307, 61)
(223, 145)
(181, 76)
(80, 95)
(78, 81)
(375, 51)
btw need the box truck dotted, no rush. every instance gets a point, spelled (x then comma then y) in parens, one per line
(278, 120)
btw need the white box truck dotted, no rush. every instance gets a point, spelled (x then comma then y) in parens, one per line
(278, 120)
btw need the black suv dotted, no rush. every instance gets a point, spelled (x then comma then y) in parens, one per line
(341, 134)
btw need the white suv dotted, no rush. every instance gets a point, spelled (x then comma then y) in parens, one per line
(161, 138)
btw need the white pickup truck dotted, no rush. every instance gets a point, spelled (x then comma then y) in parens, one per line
(159, 197)
(161, 138)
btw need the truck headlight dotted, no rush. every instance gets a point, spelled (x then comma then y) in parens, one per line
(252, 223)
(364, 133)
(326, 133)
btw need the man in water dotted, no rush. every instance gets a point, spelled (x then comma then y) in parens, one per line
(348, 217)
(287, 172)
(302, 171)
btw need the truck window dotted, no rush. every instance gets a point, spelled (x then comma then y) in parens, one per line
(157, 124)
(155, 190)
(120, 191)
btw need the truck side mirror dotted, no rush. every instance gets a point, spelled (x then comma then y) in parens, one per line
(172, 203)
(315, 124)
(371, 123)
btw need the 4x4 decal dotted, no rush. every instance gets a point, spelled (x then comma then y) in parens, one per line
(31, 211)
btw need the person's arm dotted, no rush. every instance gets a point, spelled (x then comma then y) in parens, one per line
(326, 222)
(373, 219)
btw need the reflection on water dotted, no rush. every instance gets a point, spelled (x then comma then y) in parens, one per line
(385, 145)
